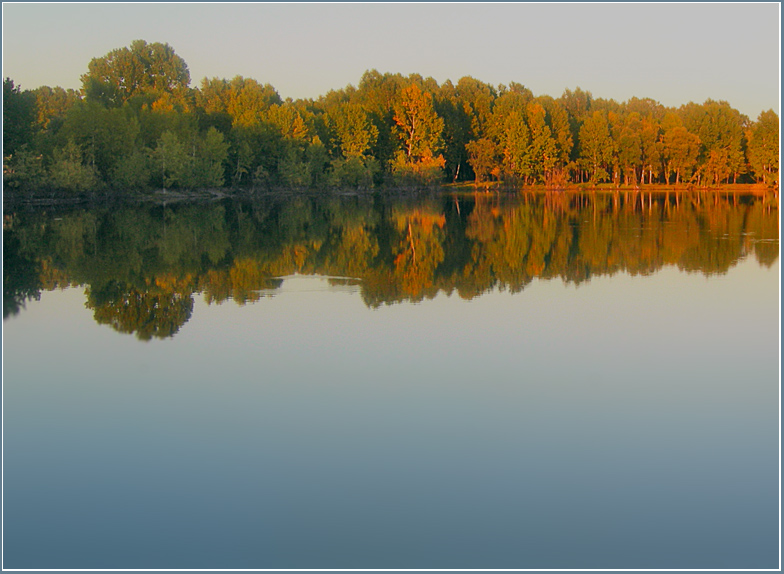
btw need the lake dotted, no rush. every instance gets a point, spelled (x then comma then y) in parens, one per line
(440, 381)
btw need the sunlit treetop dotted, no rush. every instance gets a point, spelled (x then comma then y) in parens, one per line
(141, 69)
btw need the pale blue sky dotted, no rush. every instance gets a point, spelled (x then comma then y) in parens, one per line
(674, 53)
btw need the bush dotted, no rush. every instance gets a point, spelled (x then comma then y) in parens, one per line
(427, 171)
(354, 172)
(132, 172)
(68, 171)
(23, 169)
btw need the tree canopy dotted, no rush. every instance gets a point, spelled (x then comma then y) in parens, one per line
(136, 112)
(139, 70)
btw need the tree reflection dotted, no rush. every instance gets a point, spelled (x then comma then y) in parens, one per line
(417, 250)
(21, 276)
(143, 265)
(155, 313)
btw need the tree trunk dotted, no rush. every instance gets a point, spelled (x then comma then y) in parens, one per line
(411, 241)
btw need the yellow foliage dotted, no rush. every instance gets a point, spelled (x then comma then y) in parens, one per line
(53, 277)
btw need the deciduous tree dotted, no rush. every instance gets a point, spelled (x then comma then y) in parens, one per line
(141, 69)
(763, 147)
(596, 146)
(19, 112)
(419, 127)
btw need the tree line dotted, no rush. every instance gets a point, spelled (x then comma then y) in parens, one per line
(142, 265)
(136, 124)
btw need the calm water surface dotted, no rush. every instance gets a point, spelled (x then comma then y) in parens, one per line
(440, 383)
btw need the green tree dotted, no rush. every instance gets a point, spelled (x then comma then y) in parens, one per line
(289, 122)
(477, 99)
(171, 159)
(457, 131)
(419, 127)
(680, 149)
(474, 103)
(19, 111)
(244, 100)
(68, 170)
(763, 148)
(254, 154)
(356, 134)
(132, 171)
(53, 105)
(293, 169)
(717, 166)
(355, 172)
(651, 147)
(105, 134)
(482, 155)
(544, 149)
(627, 134)
(596, 146)
(318, 159)
(720, 130)
(378, 94)
(517, 160)
(577, 104)
(213, 151)
(509, 132)
(558, 121)
(141, 69)
(24, 169)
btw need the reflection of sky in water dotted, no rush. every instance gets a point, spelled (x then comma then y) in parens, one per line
(630, 422)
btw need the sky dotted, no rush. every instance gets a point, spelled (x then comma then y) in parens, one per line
(672, 52)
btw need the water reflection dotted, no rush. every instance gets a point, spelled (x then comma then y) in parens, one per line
(21, 276)
(142, 265)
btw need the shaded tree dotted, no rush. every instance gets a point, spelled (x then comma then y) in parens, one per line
(172, 160)
(69, 171)
(19, 113)
(482, 156)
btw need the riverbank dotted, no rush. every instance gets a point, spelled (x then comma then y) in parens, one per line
(740, 188)
(49, 197)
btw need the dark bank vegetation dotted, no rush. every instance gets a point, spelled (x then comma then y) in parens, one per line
(137, 125)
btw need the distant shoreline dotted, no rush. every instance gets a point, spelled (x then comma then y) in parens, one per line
(47, 198)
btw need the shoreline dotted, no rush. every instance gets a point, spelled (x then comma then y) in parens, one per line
(50, 198)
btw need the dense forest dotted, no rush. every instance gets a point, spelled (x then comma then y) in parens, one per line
(142, 265)
(136, 125)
